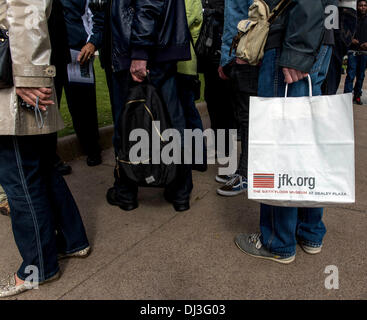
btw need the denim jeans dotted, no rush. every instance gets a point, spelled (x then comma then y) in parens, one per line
(45, 217)
(281, 226)
(356, 69)
(163, 77)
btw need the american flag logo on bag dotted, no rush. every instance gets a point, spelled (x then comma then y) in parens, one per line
(263, 180)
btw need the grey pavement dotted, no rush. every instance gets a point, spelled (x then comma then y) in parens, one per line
(155, 253)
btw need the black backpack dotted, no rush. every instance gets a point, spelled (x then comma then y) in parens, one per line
(144, 105)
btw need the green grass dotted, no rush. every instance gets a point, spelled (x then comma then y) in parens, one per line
(103, 102)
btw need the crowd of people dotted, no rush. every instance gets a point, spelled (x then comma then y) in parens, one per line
(134, 39)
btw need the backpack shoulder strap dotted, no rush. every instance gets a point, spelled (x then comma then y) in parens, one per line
(278, 10)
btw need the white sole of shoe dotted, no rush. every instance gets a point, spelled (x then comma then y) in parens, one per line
(230, 193)
(78, 254)
(311, 250)
(282, 261)
(219, 180)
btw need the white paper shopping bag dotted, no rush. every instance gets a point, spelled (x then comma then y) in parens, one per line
(301, 150)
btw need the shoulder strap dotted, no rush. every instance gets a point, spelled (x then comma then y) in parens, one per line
(278, 10)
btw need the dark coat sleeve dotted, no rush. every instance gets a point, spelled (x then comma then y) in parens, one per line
(98, 27)
(304, 34)
(144, 32)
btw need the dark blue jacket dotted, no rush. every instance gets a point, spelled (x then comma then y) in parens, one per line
(153, 30)
(299, 32)
(78, 34)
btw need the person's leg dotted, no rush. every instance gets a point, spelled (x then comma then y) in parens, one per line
(82, 103)
(278, 229)
(192, 116)
(343, 39)
(187, 98)
(71, 235)
(217, 94)
(32, 212)
(351, 73)
(332, 80)
(244, 81)
(62, 167)
(163, 77)
(278, 225)
(310, 228)
(360, 75)
(124, 191)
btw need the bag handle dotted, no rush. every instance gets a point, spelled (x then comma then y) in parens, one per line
(309, 84)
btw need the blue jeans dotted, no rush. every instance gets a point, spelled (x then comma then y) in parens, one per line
(281, 226)
(45, 217)
(356, 69)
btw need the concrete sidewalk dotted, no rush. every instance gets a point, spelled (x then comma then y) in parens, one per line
(155, 253)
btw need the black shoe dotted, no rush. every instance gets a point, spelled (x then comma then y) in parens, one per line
(357, 100)
(112, 199)
(200, 167)
(62, 168)
(94, 160)
(179, 206)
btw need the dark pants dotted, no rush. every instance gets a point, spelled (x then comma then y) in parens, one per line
(343, 39)
(217, 95)
(163, 77)
(244, 82)
(356, 69)
(192, 116)
(41, 204)
(82, 103)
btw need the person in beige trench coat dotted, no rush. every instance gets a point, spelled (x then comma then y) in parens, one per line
(45, 218)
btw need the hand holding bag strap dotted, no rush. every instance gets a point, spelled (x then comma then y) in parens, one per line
(309, 89)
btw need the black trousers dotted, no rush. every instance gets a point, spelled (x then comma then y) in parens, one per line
(244, 83)
(217, 95)
(82, 103)
(343, 39)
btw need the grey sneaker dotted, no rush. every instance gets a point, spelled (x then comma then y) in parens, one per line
(235, 186)
(8, 287)
(79, 254)
(310, 249)
(251, 245)
(224, 178)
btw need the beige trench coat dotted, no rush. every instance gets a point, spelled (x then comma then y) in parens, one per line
(30, 49)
